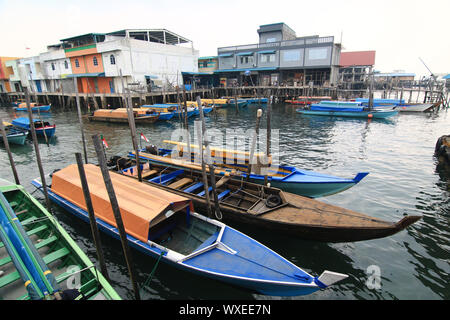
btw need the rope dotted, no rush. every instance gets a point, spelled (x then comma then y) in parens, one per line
(150, 277)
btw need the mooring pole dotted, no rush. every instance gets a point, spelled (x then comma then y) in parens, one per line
(75, 83)
(116, 212)
(210, 165)
(36, 149)
(11, 160)
(186, 126)
(92, 221)
(269, 113)
(252, 150)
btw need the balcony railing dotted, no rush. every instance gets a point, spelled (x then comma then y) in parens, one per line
(284, 43)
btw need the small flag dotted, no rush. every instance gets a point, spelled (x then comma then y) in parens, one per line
(104, 142)
(144, 137)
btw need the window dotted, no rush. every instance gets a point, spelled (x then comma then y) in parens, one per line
(77, 63)
(246, 59)
(112, 59)
(94, 60)
(268, 40)
(66, 65)
(53, 66)
(267, 57)
(291, 55)
(318, 53)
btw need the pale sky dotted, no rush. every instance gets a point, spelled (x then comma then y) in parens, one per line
(400, 31)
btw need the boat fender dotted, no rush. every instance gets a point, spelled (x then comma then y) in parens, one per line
(273, 201)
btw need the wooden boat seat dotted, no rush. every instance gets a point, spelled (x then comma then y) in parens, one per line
(223, 194)
(165, 178)
(180, 183)
(201, 194)
(149, 173)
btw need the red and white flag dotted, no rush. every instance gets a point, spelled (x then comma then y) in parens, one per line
(104, 142)
(144, 137)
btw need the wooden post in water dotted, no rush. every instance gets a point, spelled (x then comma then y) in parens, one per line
(252, 150)
(200, 134)
(75, 83)
(116, 212)
(36, 149)
(186, 125)
(210, 165)
(132, 124)
(269, 113)
(11, 160)
(235, 101)
(92, 221)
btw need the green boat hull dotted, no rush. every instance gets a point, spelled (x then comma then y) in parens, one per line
(67, 262)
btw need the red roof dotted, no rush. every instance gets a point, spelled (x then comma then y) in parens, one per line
(357, 58)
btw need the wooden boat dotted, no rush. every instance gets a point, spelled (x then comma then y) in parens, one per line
(14, 134)
(399, 105)
(166, 112)
(302, 182)
(264, 207)
(120, 115)
(36, 251)
(306, 100)
(351, 109)
(43, 128)
(223, 103)
(34, 107)
(162, 224)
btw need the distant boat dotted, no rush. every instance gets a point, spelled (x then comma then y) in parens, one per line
(165, 111)
(40, 126)
(302, 182)
(306, 100)
(34, 107)
(38, 257)
(351, 109)
(15, 135)
(121, 115)
(163, 225)
(399, 105)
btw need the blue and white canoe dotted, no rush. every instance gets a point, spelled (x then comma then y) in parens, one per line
(40, 126)
(399, 105)
(162, 224)
(287, 178)
(351, 109)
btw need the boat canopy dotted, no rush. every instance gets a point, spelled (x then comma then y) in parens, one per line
(141, 206)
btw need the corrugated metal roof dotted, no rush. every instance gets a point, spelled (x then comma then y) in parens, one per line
(357, 58)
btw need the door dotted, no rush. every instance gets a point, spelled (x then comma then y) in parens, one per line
(38, 85)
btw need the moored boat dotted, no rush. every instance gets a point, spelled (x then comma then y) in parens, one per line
(39, 260)
(43, 128)
(302, 182)
(306, 100)
(121, 115)
(399, 105)
(15, 135)
(163, 225)
(265, 208)
(34, 107)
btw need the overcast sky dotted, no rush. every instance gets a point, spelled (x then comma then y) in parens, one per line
(399, 31)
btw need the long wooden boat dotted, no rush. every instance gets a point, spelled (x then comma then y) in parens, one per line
(264, 207)
(163, 225)
(306, 100)
(302, 182)
(14, 134)
(38, 259)
(34, 107)
(352, 109)
(43, 128)
(121, 116)
(400, 105)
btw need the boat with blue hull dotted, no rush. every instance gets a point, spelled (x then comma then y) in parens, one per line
(398, 104)
(302, 182)
(351, 109)
(163, 225)
(43, 128)
(15, 135)
(34, 107)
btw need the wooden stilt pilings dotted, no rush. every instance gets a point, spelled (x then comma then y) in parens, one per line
(11, 160)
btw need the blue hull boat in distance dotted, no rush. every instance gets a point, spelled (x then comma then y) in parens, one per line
(34, 108)
(351, 109)
(163, 225)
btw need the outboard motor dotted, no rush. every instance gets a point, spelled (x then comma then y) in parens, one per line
(152, 149)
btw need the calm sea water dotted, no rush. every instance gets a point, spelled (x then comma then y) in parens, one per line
(404, 179)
